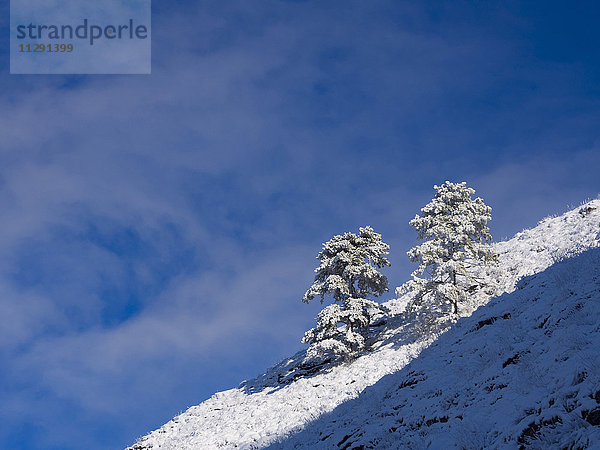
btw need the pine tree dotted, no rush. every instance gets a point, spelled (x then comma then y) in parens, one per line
(348, 273)
(454, 229)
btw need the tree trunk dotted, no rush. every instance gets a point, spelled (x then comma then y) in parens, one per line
(454, 302)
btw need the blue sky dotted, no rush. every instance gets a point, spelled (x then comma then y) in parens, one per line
(158, 232)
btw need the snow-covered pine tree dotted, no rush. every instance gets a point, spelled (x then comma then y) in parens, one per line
(348, 272)
(454, 228)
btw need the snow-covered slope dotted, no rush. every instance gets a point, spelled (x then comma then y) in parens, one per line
(524, 369)
(280, 403)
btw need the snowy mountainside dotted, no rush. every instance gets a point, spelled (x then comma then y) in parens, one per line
(284, 401)
(533, 250)
(523, 370)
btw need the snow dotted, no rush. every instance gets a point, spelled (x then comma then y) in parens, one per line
(523, 366)
(524, 369)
